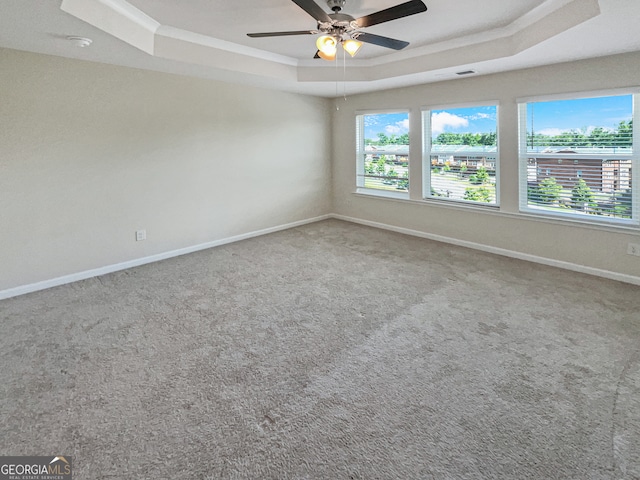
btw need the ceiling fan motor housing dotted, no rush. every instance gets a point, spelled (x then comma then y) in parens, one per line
(341, 23)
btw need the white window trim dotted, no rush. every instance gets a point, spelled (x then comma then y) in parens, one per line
(523, 157)
(580, 94)
(425, 115)
(361, 153)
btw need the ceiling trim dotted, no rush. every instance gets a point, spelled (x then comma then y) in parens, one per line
(125, 22)
(550, 18)
(118, 18)
(215, 43)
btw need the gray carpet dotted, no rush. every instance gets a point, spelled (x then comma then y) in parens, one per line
(328, 351)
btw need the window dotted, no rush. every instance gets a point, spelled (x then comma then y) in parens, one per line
(461, 154)
(585, 147)
(383, 152)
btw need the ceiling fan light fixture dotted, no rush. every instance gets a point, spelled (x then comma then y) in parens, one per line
(351, 46)
(343, 29)
(329, 56)
(326, 43)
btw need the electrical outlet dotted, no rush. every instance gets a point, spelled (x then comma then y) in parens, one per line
(141, 235)
(633, 249)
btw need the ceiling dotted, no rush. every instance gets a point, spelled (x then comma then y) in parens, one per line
(207, 38)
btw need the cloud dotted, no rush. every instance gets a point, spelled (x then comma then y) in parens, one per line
(588, 130)
(371, 120)
(552, 132)
(441, 120)
(482, 116)
(398, 128)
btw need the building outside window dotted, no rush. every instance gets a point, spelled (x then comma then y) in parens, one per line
(461, 154)
(578, 158)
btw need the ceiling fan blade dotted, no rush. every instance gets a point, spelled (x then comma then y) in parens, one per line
(381, 41)
(313, 9)
(282, 34)
(403, 10)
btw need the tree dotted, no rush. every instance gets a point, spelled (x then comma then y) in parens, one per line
(623, 203)
(488, 138)
(599, 137)
(480, 177)
(549, 190)
(624, 135)
(448, 139)
(369, 168)
(581, 194)
(480, 194)
(382, 139)
(381, 165)
(572, 138)
(471, 139)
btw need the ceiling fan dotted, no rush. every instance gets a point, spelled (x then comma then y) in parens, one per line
(340, 28)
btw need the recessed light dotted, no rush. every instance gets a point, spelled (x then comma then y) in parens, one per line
(80, 41)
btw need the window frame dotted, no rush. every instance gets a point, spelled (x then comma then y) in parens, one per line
(361, 154)
(425, 116)
(524, 156)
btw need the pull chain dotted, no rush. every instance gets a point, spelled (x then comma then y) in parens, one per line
(344, 75)
(337, 80)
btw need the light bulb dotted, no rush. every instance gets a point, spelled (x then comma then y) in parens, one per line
(328, 55)
(326, 43)
(351, 46)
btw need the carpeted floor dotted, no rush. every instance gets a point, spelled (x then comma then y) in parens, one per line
(328, 351)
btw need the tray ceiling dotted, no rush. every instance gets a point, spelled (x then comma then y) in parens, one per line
(207, 38)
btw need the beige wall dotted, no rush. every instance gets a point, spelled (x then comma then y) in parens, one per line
(89, 153)
(594, 248)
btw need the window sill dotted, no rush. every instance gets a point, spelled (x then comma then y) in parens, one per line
(390, 194)
(495, 210)
(404, 197)
(594, 220)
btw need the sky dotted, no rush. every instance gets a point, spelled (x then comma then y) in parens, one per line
(553, 118)
(464, 120)
(458, 120)
(387, 123)
(549, 118)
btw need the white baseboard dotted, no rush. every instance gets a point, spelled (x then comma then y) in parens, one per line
(621, 277)
(74, 277)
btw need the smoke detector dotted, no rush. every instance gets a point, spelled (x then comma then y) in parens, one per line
(80, 41)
